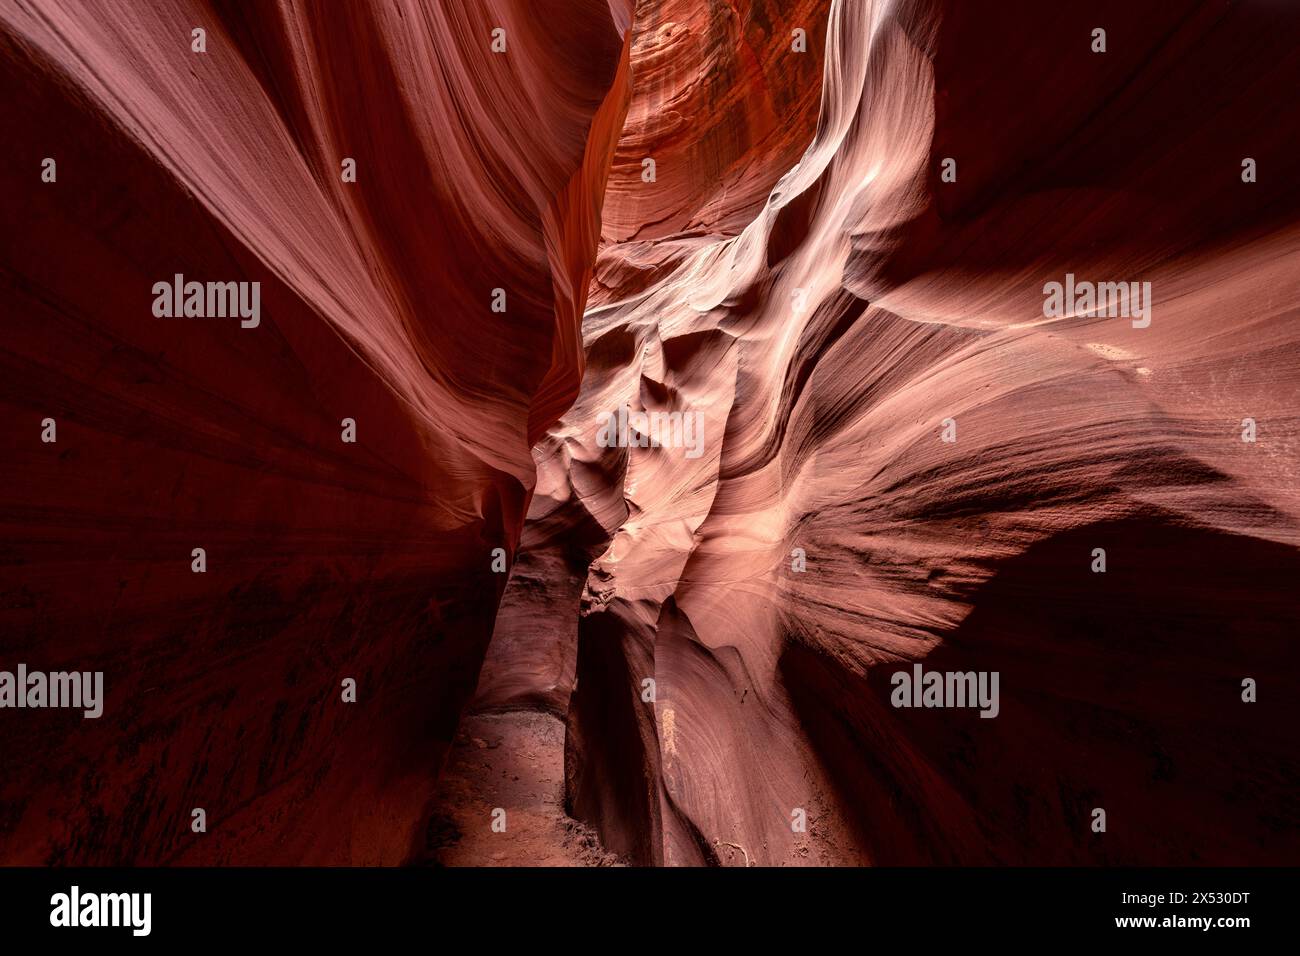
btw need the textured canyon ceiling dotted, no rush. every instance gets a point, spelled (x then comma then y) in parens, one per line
(819, 229)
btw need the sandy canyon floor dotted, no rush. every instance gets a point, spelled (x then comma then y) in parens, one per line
(516, 761)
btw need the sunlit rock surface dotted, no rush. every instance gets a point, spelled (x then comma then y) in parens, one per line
(827, 342)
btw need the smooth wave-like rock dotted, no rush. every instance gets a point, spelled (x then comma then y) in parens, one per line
(898, 454)
(325, 560)
(827, 344)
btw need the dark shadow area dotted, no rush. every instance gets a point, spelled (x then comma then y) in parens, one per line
(610, 758)
(1119, 690)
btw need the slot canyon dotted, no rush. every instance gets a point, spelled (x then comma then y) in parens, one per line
(432, 598)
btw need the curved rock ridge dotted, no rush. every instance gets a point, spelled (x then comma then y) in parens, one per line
(817, 402)
(222, 156)
(827, 536)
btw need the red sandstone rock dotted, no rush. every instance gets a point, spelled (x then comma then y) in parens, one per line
(325, 560)
(800, 276)
(724, 107)
(923, 301)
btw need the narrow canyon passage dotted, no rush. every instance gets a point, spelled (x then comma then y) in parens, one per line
(638, 388)
(890, 451)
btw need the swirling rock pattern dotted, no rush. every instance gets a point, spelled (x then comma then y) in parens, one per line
(838, 261)
(325, 561)
(866, 302)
